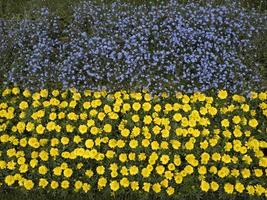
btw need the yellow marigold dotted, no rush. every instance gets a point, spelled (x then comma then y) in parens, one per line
(89, 173)
(214, 186)
(43, 182)
(65, 184)
(222, 94)
(253, 123)
(133, 170)
(156, 187)
(42, 170)
(225, 123)
(107, 128)
(134, 185)
(9, 180)
(136, 106)
(239, 187)
(40, 129)
(250, 189)
(102, 182)
(23, 105)
(86, 187)
(83, 129)
(228, 188)
(124, 182)
(146, 106)
(114, 185)
(68, 172)
(54, 184)
(205, 186)
(100, 170)
(78, 185)
(28, 184)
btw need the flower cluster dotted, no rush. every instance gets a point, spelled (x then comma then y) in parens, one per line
(133, 141)
(185, 47)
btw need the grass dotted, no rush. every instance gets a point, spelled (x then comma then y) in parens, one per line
(23, 8)
(43, 195)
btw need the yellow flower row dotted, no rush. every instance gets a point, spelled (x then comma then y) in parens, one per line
(133, 140)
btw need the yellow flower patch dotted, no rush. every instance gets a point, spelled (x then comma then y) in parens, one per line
(70, 140)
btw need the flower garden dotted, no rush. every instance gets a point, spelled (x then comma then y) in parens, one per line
(124, 100)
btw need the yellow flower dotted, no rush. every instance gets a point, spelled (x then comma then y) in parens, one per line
(65, 140)
(133, 144)
(245, 173)
(89, 173)
(258, 172)
(43, 182)
(147, 119)
(239, 187)
(83, 129)
(189, 169)
(107, 128)
(236, 119)
(94, 130)
(146, 187)
(253, 123)
(40, 129)
(15, 90)
(245, 107)
(89, 143)
(21, 127)
(226, 158)
(164, 159)
(54, 184)
(154, 145)
(202, 170)
(114, 185)
(134, 185)
(178, 178)
(263, 162)
(123, 157)
(65, 184)
(42, 170)
(23, 105)
(136, 106)
(145, 172)
(214, 186)
(102, 182)
(28, 184)
(77, 139)
(259, 189)
(50, 126)
(44, 155)
(9, 180)
(78, 185)
(223, 172)
(170, 191)
(250, 189)
(228, 188)
(225, 123)
(100, 170)
(124, 182)
(68, 172)
(86, 187)
(222, 94)
(133, 170)
(146, 106)
(204, 186)
(156, 187)
(125, 132)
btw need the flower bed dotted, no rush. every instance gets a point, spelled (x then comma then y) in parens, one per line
(186, 47)
(133, 143)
